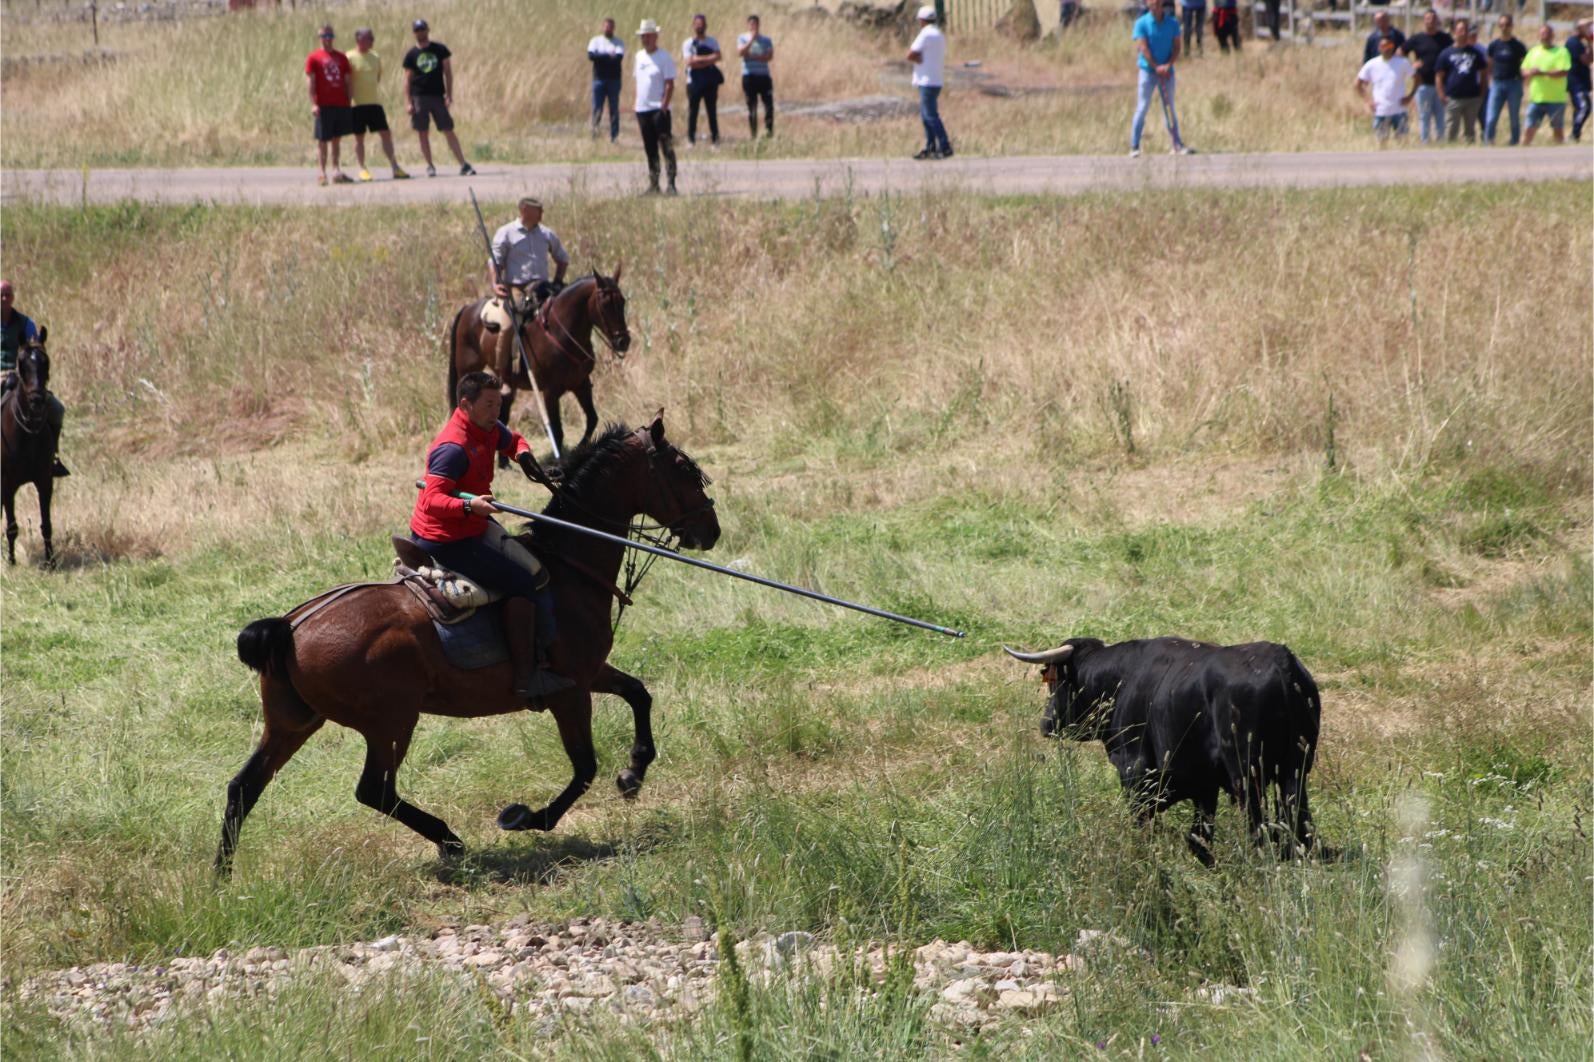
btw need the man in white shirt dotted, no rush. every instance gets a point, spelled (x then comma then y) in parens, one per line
(927, 53)
(654, 74)
(518, 273)
(606, 52)
(1386, 77)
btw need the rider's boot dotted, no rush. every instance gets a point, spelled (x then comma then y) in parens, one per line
(532, 679)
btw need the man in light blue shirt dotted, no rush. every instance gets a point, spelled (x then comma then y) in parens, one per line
(1156, 38)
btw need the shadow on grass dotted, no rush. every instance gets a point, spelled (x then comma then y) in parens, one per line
(537, 863)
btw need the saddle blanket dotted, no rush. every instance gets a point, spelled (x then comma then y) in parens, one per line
(477, 641)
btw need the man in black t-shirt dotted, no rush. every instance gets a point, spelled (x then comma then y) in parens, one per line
(1382, 27)
(1423, 50)
(1578, 81)
(428, 93)
(1505, 81)
(1463, 78)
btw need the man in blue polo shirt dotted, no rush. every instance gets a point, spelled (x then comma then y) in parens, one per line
(1156, 38)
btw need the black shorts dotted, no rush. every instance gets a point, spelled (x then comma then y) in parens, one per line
(428, 108)
(333, 122)
(369, 118)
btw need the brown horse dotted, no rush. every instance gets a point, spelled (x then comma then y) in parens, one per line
(369, 658)
(557, 341)
(27, 442)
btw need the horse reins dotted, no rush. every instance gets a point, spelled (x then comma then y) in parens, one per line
(546, 318)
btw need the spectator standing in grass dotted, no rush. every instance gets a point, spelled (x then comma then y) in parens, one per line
(654, 74)
(1544, 69)
(1505, 54)
(1156, 40)
(1382, 85)
(700, 54)
(1463, 78)
(1382, 27)
(1272, 18)
(429, 93)
(927, 53)
(607, 55)
(369, 114)
(1577, 79)
(1424, 49)
(1226, 24)
(1195, 15)
(326, 72)
(757, 52)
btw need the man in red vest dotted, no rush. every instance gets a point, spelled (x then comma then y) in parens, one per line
(458, 534)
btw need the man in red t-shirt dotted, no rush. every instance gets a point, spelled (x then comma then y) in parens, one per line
(327, 71)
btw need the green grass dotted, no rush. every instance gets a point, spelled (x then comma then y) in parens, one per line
(821, 770)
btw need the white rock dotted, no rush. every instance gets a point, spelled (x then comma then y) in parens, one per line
(386, 944)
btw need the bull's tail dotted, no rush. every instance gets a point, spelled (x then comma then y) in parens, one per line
(451, 347)
(1308, 704)
(265, 646)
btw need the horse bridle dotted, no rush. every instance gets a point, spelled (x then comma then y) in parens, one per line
(603, 324)
(29, 425)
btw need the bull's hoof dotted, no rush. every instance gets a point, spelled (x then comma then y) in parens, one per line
(629, 783)
(520, 817)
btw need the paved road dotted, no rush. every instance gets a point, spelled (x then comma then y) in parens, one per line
(801, 178)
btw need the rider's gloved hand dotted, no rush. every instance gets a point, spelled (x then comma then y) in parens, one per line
(534, 472)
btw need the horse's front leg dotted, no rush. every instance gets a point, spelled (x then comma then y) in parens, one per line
(11, 522)
(630, 688)
(584, 396)
(46, 488)
(573, 712)
(503, 414)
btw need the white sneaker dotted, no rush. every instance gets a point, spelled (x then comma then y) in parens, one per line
(1134, 153)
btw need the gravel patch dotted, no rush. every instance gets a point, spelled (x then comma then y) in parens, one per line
(640, 971)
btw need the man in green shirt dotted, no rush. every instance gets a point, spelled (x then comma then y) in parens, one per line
(1545, 70)
(365, 73)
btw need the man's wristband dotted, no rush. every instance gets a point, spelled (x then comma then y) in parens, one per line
(467, 506)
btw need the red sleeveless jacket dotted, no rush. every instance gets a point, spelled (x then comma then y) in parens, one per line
(461, 458)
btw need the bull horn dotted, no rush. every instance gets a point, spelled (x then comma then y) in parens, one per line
(1050, 656)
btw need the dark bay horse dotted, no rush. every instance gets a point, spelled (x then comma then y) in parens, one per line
(27, 442)
(370, 659)
(557, 341)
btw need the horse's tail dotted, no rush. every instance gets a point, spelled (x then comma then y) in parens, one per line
(265, 646)
(453, 367)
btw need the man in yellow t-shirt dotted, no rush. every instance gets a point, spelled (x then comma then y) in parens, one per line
(369, 115)
(1545, 69)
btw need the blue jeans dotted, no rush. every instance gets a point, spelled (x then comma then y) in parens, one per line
(1391, 125)
(1145, 90)
(606, 91)
(1504, 93)
(1430, 112)
(930, 114)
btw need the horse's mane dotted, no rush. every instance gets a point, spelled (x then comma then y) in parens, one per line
(586, 462)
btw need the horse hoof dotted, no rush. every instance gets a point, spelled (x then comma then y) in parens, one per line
(629, 784)
(520, 817)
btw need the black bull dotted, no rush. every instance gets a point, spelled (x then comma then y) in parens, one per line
(1183, 720)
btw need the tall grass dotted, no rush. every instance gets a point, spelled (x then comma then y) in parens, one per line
(231, 90)
(921, 402)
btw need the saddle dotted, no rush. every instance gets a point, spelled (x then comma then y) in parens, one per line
(449, 597)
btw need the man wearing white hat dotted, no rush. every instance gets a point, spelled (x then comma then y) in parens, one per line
(654, 74)
(927, 53)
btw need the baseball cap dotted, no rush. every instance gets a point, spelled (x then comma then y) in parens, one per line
(418, 25)
(927, 13)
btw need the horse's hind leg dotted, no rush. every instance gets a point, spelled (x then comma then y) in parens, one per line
(613, 680)
(584, 397)
(289, 723)
(378, 788)
(573, 712)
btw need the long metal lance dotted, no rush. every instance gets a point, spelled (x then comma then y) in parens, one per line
(620, 540)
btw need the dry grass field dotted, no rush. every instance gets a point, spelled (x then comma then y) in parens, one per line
(1296, 416)
(231, 90)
